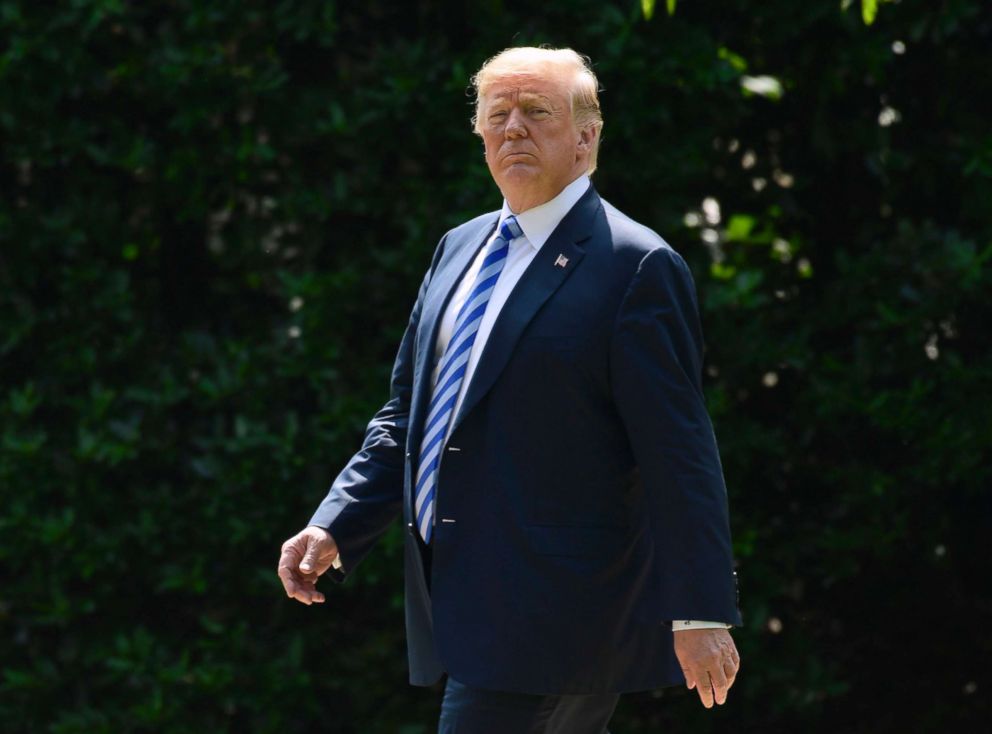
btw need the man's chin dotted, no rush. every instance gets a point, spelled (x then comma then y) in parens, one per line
(520, 170)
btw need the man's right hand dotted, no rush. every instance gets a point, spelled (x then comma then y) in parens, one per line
(304, 558)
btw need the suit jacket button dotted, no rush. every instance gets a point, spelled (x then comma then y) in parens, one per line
(409, 527)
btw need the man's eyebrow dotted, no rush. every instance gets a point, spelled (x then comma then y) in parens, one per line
(534, 97)
(523, 95)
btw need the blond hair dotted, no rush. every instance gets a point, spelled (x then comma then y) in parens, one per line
(527, 59)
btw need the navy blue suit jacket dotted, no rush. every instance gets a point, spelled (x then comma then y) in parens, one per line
(580, 502)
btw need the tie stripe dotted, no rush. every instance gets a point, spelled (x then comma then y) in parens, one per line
(454, 363)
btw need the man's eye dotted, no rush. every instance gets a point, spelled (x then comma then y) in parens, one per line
(496, 115)
(539, 111)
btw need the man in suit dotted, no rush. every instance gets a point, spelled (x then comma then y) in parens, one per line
(547, 442)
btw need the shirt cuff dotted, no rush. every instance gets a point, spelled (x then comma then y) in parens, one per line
(694, 624)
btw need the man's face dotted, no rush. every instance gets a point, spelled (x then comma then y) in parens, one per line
(532, 146)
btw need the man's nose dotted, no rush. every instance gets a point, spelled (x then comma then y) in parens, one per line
(515, 127)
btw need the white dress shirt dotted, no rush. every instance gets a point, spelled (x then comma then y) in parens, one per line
(537, 225)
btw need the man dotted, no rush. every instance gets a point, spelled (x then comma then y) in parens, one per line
(547, 442)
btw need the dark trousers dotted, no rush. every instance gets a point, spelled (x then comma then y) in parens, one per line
(467, 710)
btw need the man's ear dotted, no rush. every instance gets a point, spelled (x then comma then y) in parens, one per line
(587, 136)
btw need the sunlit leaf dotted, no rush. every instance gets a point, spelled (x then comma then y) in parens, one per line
(735, 60)
(739, 227)
(869, 9)
(722, 271)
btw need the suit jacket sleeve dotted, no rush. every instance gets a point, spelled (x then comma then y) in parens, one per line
(656, 361)
(367, 495)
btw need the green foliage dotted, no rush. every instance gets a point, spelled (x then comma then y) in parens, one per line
(869, 9)
(214, 220)
(647, 7)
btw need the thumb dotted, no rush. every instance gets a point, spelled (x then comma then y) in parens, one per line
(310, 557)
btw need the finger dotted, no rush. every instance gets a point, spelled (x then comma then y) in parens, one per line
(288, 582)
(310, 577)
(690, 679)
(705, 691)
(720, 686)
(291, 553)
(730, 671)
(736, 660)
(303, 594)
(296, 588)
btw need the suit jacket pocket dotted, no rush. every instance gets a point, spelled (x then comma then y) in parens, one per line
(583, 541)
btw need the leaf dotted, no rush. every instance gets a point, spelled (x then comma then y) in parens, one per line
(24, 401)
(739, 227)
(869, 9)
(647, 8)
(722, 272)
(735, 60)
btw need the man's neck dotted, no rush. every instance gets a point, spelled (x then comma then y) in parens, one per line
(540, 221)
(519, 203)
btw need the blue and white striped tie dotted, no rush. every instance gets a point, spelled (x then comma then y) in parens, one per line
(454, 362)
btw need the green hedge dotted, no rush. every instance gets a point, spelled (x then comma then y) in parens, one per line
(214, 219)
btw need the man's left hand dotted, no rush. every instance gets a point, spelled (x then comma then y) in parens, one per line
(709, 661)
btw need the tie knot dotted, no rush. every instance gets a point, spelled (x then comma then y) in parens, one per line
(510, 230)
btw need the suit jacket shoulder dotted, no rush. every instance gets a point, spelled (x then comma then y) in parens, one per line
(633, 240)
(469, 232)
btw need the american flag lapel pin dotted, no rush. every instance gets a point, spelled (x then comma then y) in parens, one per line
(562, 261)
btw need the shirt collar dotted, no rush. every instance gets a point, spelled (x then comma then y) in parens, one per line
(540, 221)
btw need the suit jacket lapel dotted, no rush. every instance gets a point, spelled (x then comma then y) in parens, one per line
(541, 278)
(449, 275)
